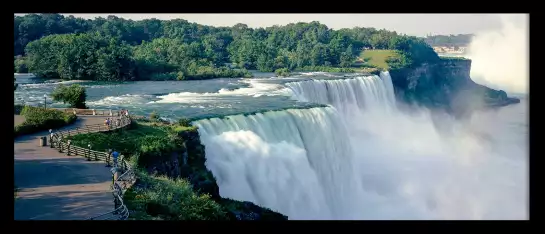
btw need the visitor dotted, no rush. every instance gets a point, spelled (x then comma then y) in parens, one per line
(115, 154)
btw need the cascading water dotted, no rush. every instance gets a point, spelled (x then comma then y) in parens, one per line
(298, 162)
(348, 95)
(361, 158)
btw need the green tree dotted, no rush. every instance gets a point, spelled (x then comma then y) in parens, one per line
(20, 65)
(74, 95)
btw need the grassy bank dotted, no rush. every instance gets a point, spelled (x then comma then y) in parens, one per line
(39, 119)
(125, 141)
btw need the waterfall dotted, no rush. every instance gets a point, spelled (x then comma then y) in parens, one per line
(297, 161)
(348, 95)
(361, 158)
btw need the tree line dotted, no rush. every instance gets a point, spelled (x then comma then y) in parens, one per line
(450, 40)
(113, 48)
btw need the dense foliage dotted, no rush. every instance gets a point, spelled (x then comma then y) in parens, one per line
(450, 40)
(282, 72)
(39, 119)
(160, 198)
(120, 49)
(19, 64)
(74, 95)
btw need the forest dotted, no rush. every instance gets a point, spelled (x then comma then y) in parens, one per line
(113, 48)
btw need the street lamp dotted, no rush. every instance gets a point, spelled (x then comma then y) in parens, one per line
(45, 104)
(89, 152)
(68, 150)
(51, 138)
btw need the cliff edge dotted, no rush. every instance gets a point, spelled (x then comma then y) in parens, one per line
(446, 85)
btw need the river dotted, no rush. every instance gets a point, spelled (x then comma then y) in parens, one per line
(359, 158)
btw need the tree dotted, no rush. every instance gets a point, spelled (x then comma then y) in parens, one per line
(20, 65)
(74, 95)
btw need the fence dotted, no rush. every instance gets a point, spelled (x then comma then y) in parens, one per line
(101, 112)
(121, 183)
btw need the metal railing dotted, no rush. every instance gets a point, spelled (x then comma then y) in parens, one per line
(121, 183)
(99, 112)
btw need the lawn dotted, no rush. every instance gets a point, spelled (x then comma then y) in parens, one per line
(377, 58)
(126, 141)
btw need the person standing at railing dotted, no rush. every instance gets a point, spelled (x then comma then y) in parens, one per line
(107, 123)
(115, 154)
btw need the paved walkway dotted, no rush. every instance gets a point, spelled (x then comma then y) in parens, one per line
(54, 186)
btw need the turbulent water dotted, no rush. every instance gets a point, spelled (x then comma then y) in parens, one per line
(364, 159)
(359, 158)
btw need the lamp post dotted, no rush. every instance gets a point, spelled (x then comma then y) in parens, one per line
(45, 104)
(51, 138)
(89, 152)
(68, 150)
(108, 159)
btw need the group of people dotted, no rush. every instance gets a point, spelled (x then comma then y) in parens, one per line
(123, 112)
(116, 121)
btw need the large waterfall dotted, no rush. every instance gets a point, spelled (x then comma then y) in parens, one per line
(361, 158)
(298, 162)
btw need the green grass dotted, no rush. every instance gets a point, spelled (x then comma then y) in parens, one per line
(377, 58)
(126, 141)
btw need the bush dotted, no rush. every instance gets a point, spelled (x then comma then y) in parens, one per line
(154, 116)
(161, 198)
(20, 65)
(39, 119)
(282, 72)
(184, 122)
(74, 95)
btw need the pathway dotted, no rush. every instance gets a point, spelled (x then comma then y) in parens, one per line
(53, 186)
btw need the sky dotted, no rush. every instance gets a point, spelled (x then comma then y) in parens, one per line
(411, 24)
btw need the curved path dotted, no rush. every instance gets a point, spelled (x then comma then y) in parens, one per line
(54, 186)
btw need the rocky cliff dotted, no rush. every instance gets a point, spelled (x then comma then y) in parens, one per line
(446, 85)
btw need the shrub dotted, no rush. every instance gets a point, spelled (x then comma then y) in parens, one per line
(161, 198)
(20, 65)
(39, 119)
(282, 72)
(74, 95)
(184, 122)
(154, 116)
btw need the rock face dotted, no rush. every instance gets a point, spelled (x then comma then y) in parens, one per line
(188, 161)
(446, 85)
